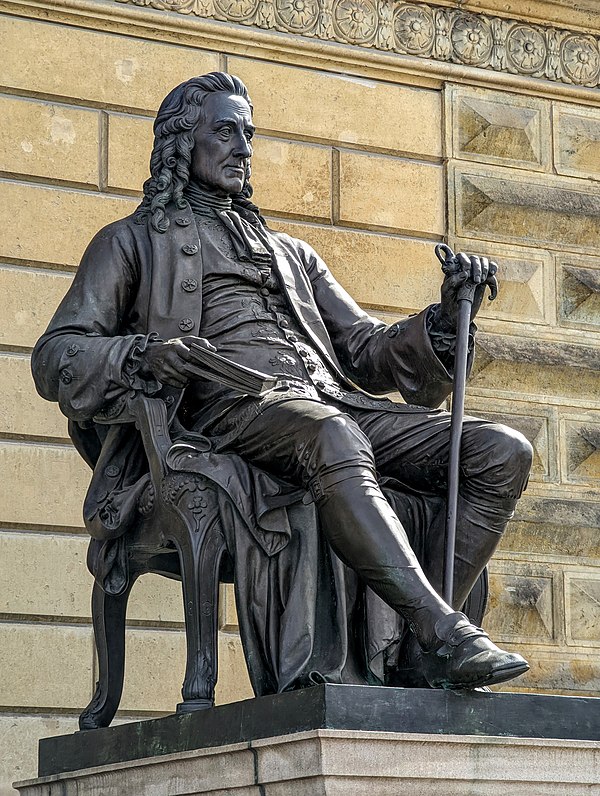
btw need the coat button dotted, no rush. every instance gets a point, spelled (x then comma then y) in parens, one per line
(284, 324)
(292, 338)
(112, 471)
(320, 384)
(72, 350)
(392, 331)
(183, 221)
(264, 291)
(189, 248)
(66, 376)
(189, 285)
(186, 324)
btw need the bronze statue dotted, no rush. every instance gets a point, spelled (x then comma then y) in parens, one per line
(196, 264)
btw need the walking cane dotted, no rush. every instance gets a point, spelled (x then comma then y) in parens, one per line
(466, 295)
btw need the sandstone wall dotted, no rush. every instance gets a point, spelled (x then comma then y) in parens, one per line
(373, 143)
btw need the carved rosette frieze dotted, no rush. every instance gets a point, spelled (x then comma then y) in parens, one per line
(418, 29)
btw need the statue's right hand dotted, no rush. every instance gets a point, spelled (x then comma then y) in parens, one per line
(169, 361)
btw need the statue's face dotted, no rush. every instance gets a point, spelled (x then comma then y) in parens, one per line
(223, 143)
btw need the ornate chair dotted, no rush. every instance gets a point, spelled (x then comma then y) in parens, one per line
(179, 535)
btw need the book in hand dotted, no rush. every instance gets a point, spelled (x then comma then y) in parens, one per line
(215, 367)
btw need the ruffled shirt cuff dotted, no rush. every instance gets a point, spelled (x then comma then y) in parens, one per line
(132, 376)
(443, 341)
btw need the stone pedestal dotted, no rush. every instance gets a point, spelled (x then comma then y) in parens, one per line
(332, 740)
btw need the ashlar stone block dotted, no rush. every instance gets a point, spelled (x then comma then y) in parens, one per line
(155, 600)
(19, 737)
(577, 141)
(288, 177)
(121, 71)
(378, 191)
(155, 667)
(42, 139)
(525, 278)
(507, 206)
(286, 98)
(582, 599)
(44, 575)
(579, 292)
(130, 140)
(292, 178)
(23, 413)
(521, 607)
(383, 272)
(498, 127)
(71, 219)
(24, 494)
(228, 619)
(28, 299)
(581, 459)
(33, 658)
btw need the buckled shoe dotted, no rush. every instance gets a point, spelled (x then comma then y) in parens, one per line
(467, 658)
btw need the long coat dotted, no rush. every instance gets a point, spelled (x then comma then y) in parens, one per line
(130, 284)
(134, 282)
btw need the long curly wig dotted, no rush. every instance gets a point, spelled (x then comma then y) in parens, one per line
(177, 118)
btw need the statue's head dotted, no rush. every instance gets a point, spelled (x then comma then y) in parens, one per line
(203, 131)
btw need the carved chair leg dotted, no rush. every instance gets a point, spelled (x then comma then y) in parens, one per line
(200, 561)
(108, 617)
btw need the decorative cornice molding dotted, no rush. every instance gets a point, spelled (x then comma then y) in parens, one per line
(421, 30)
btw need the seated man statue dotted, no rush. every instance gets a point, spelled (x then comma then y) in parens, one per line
(196, 263)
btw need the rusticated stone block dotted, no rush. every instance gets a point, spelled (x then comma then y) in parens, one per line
(285, 98)
(521, 607)
(525, 277)
(581, 460)
(577, 141)
(498, 127)
(554, 527)
(504, 205)
(557, 673)
(582, 600)
(45, 140)
(535, 427)
(513, 365)
(579, 292)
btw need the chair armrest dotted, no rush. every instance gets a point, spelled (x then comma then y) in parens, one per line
(151, 418)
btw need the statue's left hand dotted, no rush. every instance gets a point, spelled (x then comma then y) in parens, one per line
(481, 271)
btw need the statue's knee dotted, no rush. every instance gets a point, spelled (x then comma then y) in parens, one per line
(512, 452)
(340, 441)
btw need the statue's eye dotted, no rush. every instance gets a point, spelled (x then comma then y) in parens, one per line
(249, 135)
(226, 131)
